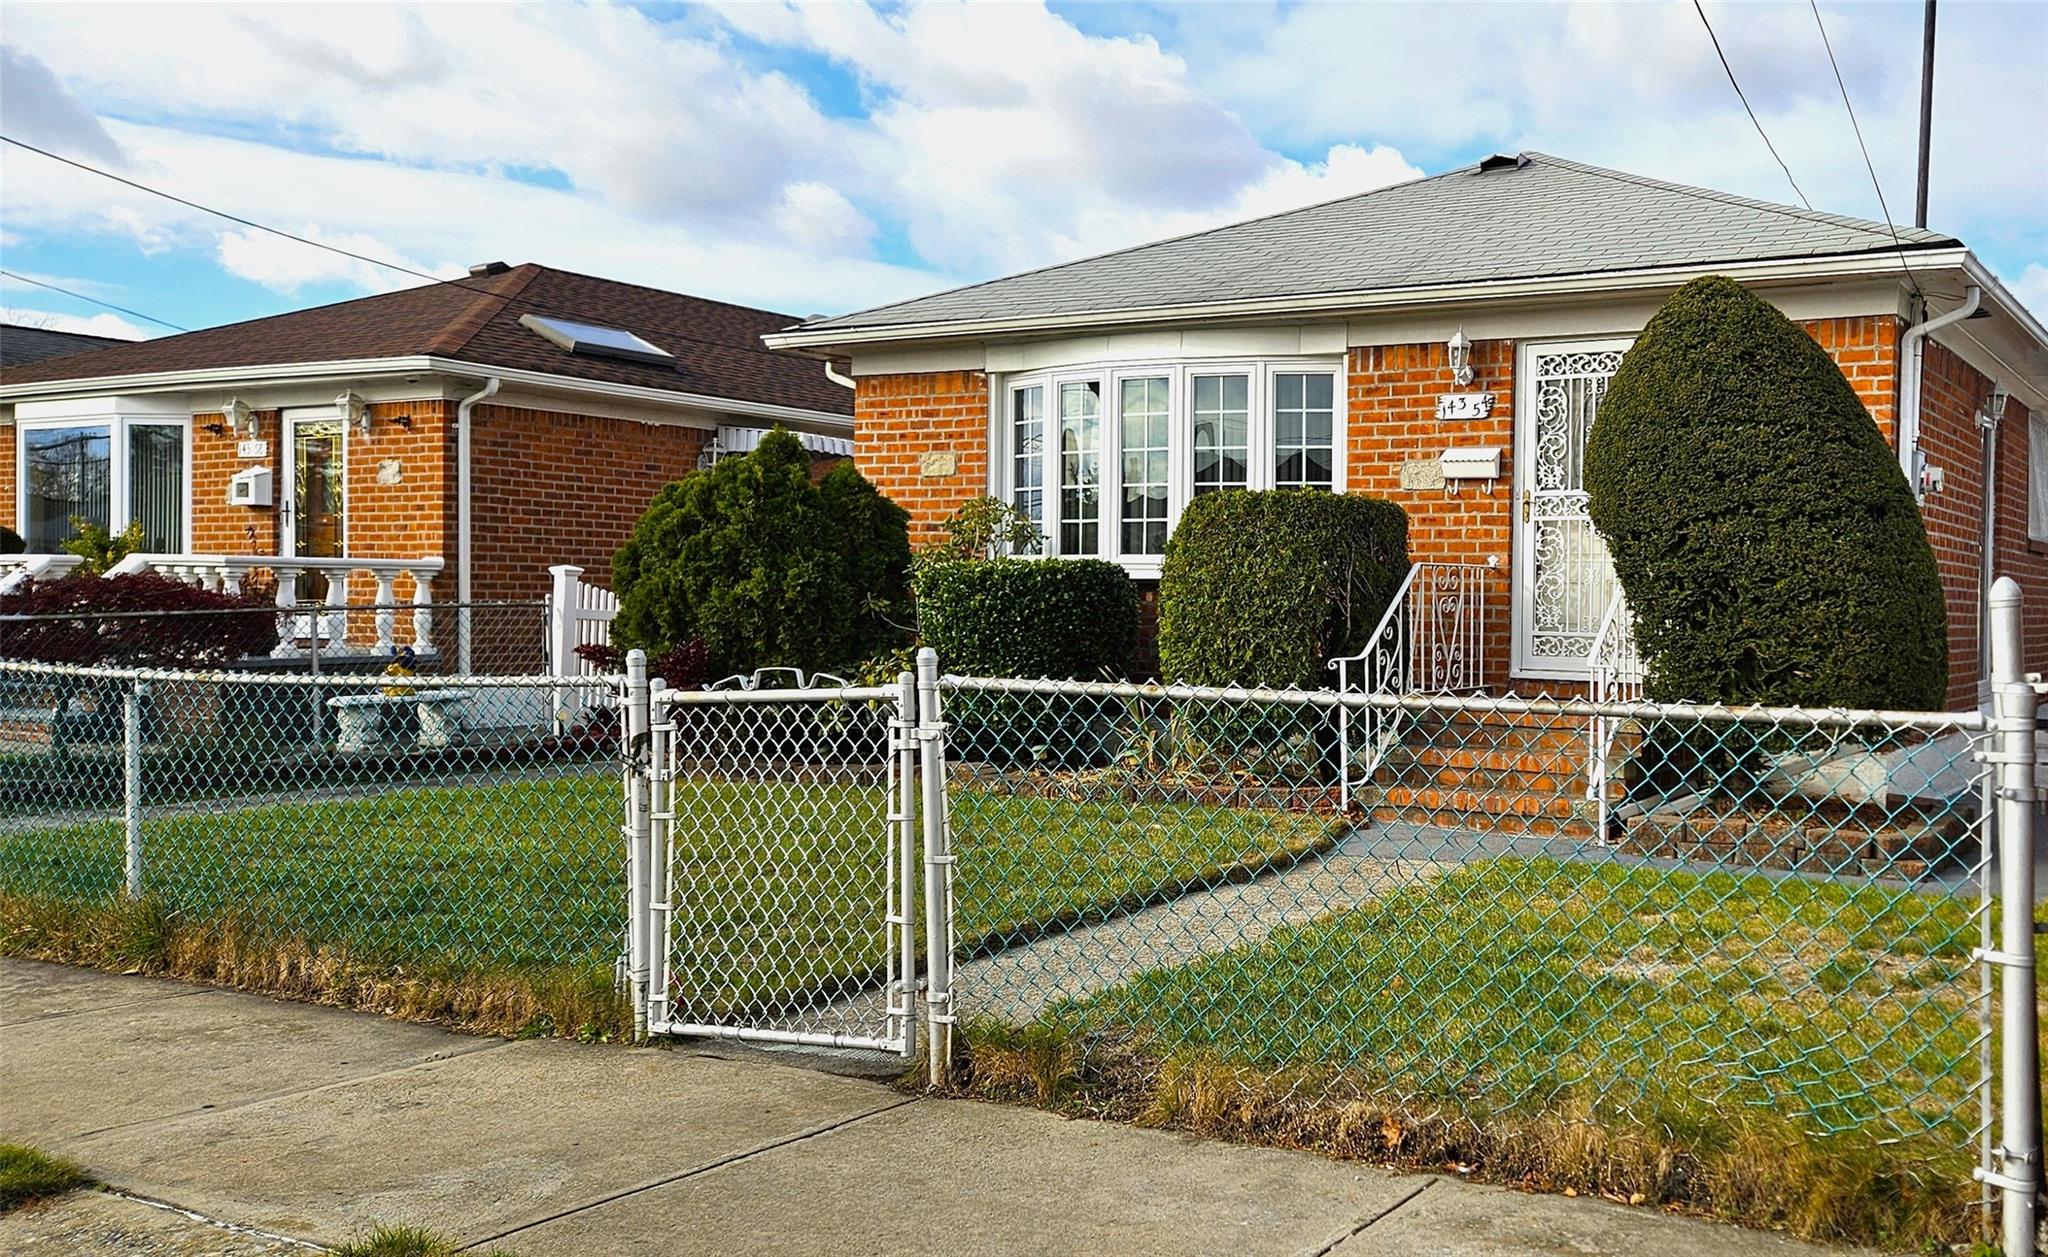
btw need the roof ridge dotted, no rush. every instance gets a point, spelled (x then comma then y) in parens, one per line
(1165, 240)
(459, 331)
(665, 292)
(1869, 226)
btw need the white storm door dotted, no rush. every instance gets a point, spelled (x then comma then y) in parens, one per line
(1563, 578)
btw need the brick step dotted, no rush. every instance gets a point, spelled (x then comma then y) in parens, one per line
(1477, 802)
(1546, 763)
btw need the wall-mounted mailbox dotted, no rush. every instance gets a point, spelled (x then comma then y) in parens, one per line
(1476, 463)
(250, 487)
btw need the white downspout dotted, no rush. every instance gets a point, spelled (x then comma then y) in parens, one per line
(1912, 349)
(462, 529)
(832, 374)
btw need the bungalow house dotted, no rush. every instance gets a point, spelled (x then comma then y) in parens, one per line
(443, 443)
(1444, 343)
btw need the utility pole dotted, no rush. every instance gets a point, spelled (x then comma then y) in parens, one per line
(1926, 112)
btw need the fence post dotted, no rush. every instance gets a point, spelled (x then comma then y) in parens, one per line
(562, 608)
(903, 750)
(2018, 1172)
(638, 831)
(131, 786)
(938, 872)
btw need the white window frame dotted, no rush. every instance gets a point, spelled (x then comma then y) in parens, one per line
(2037, 475)
(119, 490)
(1179, 374)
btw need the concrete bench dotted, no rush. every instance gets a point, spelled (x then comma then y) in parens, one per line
(364, 722)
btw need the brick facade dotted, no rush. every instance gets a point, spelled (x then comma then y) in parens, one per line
(1391, 400)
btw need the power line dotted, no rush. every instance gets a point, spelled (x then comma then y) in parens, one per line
(147, 318)
(1739, 95)
(1867, 163)
(508, 299)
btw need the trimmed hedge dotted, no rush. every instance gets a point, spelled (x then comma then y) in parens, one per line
(1068, 619)
(1265, 587)
(1768, 542)
(765, 567)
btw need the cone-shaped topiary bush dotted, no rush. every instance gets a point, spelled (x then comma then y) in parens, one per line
(1767, 540)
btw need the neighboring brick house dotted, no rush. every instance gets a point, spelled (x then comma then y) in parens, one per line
(472, 432)
(1314, 347)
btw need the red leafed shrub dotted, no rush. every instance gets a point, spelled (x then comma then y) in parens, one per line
(687, 667)
(141, 620)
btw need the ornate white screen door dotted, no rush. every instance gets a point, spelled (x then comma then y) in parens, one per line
(1562, 577)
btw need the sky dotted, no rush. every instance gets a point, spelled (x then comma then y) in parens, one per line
(817, 158)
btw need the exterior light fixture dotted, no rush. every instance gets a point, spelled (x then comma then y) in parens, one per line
(353, 410)
(1460, 348)
(1994, 406)
(238, 416)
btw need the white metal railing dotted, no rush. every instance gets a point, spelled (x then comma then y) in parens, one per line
(1431, 640)
(327, 629)
(579, 614)
(17, 570)
(1615, 676)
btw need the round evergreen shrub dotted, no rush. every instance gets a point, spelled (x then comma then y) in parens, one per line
(1266, 587)
(1064, 619)
(1068, 619)
(1769, 545)
(765, 567)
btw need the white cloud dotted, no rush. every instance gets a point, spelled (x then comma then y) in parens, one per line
(2032, 288)
(287, 265)
(92, 325)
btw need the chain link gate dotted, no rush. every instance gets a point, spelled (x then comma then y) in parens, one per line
(773, 878)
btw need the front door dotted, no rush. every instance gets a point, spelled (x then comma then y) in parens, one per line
(1562, 578)
(314, 502)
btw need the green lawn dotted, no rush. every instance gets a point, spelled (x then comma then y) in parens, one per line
(778, 886)
(1515, 985)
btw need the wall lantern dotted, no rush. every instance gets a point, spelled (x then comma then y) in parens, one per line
(239, 417)
(353, 410)
(1460, 348)
(1994, 406)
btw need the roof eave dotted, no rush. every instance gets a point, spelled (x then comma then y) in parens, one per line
(1827, 266)
(362, 368)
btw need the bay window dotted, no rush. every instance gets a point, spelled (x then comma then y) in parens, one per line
(1103, 459)
(105, 473)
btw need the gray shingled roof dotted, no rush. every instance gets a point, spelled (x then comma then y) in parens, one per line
(1544, 217)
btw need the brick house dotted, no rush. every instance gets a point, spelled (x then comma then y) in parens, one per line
(1322, 347)
(446, 443)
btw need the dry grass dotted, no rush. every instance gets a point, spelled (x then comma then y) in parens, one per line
(1742, 1165)
(144, 937)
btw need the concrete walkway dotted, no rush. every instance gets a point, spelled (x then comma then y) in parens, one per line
(270, 1126)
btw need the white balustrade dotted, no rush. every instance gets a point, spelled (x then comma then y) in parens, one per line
(1616, 677)
(17, 570)
(326, 629)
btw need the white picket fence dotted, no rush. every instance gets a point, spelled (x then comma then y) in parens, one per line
(579, 614)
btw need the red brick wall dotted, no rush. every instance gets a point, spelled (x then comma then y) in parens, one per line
(899, 419)
(9, 503)
(1953, 393)
(550, 488)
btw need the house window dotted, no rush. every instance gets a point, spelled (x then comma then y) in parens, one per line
(2037, 476)
(1142, 417)
(1222, 435)
(1080, 466)
(1027, 453)
(1304, 429)
(107, 475)
(1105, 458)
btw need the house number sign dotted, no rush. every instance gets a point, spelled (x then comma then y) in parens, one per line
(1464, 405)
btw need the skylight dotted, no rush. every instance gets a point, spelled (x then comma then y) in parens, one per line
(594, 341)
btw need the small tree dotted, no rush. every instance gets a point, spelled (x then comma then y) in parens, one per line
(1769, 544)
(767, 568)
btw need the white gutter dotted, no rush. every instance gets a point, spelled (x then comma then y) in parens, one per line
(1829, 267)
(372, 368)
(462, 529)
(1912, 348)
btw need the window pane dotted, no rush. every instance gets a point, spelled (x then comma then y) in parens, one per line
(69, 475)
(1304, 430)
(1222, 425)
(1080, 467)
(1027, 453)
(1142, 423)
(156, 485)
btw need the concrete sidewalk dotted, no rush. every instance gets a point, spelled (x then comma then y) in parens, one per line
(298, 1123)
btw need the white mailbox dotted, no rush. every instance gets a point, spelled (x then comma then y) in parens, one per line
(1474, 463)
(250, 487)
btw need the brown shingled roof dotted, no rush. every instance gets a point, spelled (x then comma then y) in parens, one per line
(717, 346)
